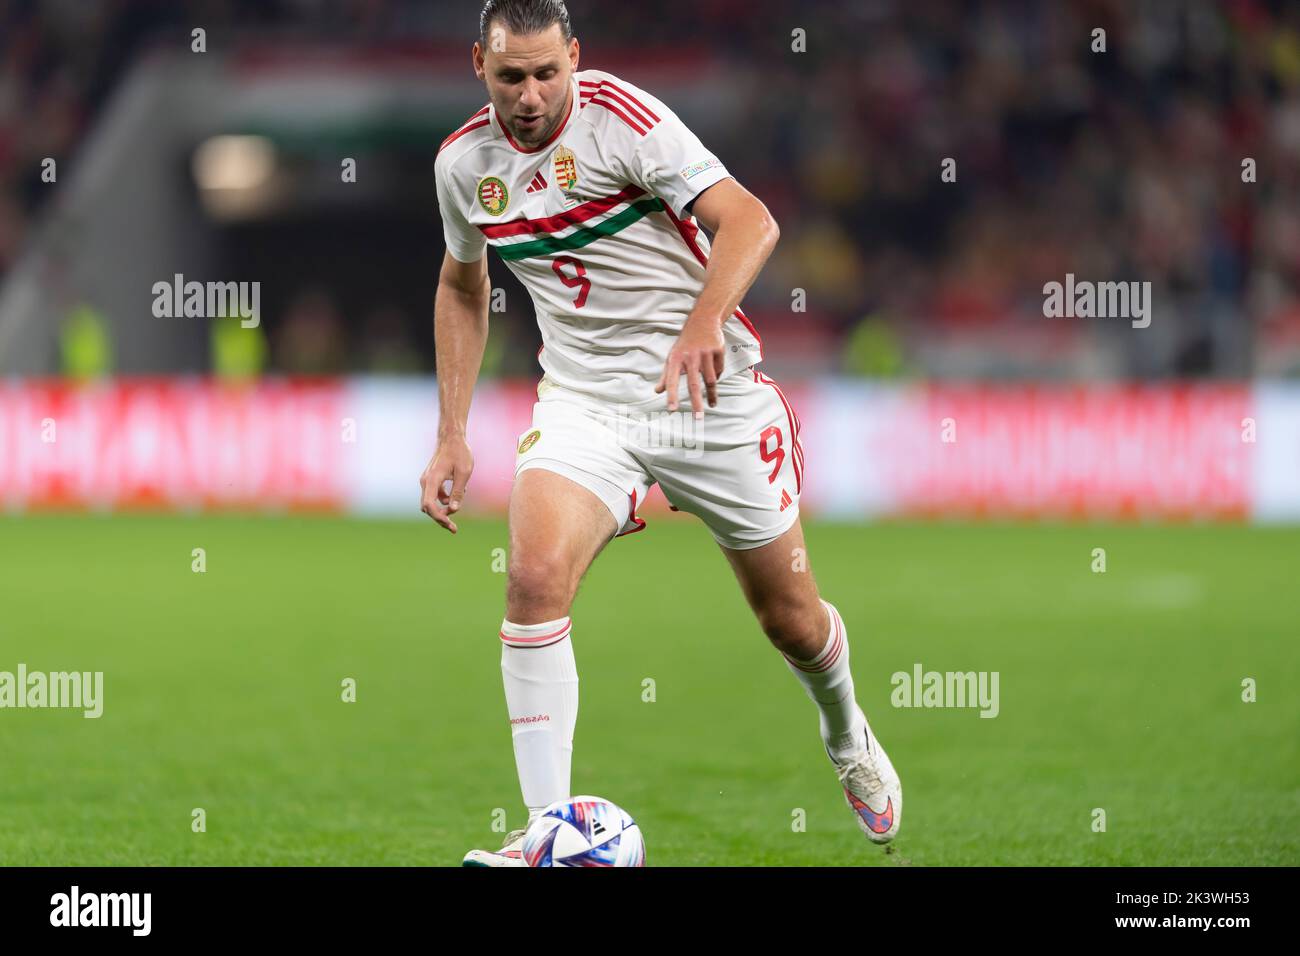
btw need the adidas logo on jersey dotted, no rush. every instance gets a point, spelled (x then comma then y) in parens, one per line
(538, 183)
(786, 500)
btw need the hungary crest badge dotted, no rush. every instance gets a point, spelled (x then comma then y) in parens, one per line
(493, 195)
(566, 168)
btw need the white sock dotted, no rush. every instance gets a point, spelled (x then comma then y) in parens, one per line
(541, 682)
(829, 683)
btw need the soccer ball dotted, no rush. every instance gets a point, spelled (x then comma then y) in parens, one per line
(584, 831)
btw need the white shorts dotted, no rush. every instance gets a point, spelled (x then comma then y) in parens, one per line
(740, 468)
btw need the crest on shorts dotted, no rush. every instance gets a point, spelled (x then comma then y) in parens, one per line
(566, 168)
(529, 440)
(493, 195)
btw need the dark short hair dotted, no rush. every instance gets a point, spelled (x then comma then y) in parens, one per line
(525, 17)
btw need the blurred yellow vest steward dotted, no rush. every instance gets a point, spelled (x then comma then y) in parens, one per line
(238, 353)
(86, 352)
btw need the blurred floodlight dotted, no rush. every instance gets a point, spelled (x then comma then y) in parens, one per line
(234, 162)
(236, 176)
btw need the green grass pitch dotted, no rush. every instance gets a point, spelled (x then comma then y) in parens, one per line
(222, 691)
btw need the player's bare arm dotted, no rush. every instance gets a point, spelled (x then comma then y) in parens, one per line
(744, 236)
(460, 316)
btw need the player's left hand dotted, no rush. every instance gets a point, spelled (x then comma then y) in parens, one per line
(698, 353)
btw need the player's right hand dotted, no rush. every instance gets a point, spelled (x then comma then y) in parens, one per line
(452, 462)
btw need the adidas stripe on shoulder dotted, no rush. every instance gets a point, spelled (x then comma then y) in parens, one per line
(476, 122)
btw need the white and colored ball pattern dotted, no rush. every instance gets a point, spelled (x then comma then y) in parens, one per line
(584, 831)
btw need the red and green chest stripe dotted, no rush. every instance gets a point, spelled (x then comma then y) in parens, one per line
(573, 229)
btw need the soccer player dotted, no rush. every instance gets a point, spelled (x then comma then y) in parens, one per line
(590, 189)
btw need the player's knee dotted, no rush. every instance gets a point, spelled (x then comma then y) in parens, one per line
(539, 586)
(794, 631)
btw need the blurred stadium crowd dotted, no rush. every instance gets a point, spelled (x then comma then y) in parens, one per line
(1118, 165)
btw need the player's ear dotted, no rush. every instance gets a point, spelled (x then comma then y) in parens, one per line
(476, 58)
(574, 52)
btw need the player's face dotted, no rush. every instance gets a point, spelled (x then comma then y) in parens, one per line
(527, 78)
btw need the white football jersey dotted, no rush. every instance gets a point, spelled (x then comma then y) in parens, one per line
(594, 224)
